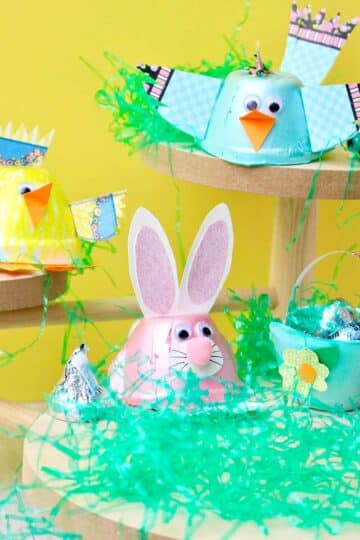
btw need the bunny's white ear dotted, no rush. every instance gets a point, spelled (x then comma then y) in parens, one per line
(152, 265)
(208, 263)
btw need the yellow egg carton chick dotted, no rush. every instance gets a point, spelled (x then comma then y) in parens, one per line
(38, 226)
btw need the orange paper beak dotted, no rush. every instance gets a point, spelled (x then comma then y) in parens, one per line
(257, 126)
(37, 203)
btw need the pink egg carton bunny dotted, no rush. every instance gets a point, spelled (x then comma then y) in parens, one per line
(176, 333)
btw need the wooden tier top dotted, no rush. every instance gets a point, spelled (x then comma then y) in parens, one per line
(111, 309)
(284, 181)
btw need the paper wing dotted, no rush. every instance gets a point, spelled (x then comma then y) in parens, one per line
(313, 43)
(331, 112)
(99, 218)
(186, 99)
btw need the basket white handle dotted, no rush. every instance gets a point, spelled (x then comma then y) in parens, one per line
(312, 264)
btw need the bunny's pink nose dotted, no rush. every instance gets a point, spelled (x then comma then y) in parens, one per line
(199, 351)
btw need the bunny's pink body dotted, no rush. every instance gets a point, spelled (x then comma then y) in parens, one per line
(176, 333)
(156, 352)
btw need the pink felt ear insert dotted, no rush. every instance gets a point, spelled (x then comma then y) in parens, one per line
(209, 264)
(154, 272)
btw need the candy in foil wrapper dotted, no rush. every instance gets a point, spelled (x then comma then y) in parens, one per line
(350, 332)
(78, 389)
(337, 316)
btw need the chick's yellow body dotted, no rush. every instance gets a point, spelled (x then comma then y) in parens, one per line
(51, 238)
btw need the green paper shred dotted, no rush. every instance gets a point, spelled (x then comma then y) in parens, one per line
(254, 351)
(283, 461)
(135, 120)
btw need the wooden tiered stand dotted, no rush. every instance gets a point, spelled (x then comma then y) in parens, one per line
(291, 186)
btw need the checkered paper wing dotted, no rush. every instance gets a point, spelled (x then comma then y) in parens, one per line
(98, 219)
(310, 62)
(186, 99)
(332, 114)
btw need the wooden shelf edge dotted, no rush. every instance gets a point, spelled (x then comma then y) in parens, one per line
(13, 415)
(283, 181)
(111, 309)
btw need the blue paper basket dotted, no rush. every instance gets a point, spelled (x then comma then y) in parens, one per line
(341, 357)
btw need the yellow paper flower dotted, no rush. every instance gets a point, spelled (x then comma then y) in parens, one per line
(302, 371)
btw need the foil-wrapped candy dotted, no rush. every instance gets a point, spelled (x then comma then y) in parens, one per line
(350, 332)
(339, 321)
(78, 388)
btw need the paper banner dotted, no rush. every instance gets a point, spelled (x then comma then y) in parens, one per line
(98, 219)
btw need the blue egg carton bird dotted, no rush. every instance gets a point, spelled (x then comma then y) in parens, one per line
(259, 117)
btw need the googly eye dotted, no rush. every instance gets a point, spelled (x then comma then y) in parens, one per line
(25, 188)
(251, 103)
(205, 329)
(182, 332)
(274, 104)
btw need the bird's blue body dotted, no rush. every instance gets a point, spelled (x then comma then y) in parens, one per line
(287, 141)
(258, 117)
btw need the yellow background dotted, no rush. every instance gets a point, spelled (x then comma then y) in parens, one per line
(44, 82)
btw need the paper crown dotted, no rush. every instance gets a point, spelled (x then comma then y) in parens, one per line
(330, 33)
(21, 147)
(314, 43)
(270, 118)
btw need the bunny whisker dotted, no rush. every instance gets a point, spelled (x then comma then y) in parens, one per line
(178, 364)
(183, 353)
(214, 362)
